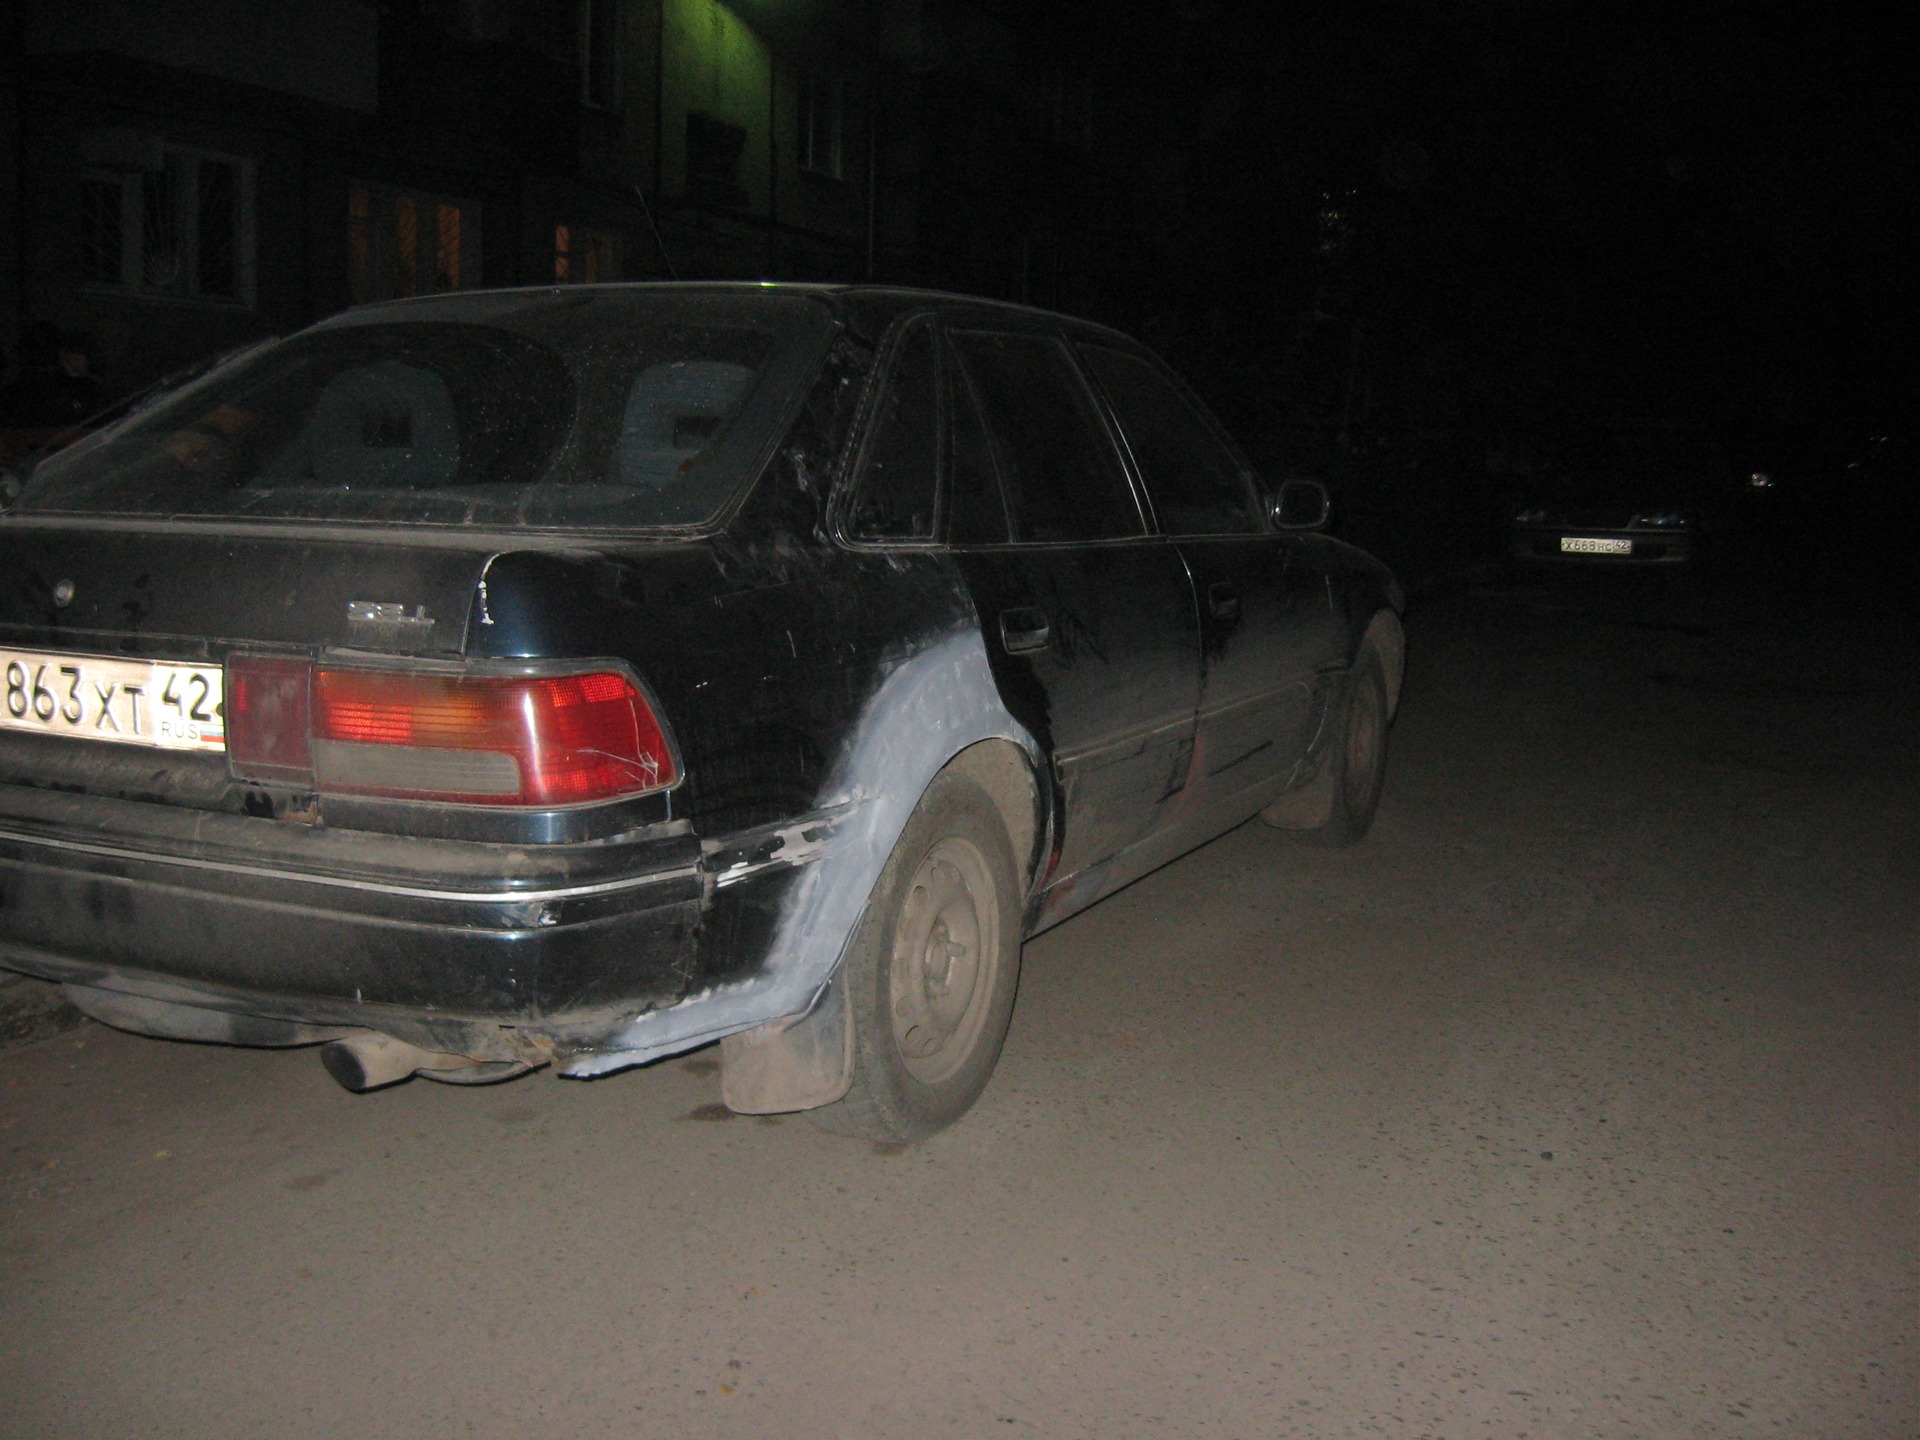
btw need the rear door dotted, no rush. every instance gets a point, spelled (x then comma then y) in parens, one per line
(1090, 620)
(1263, 606)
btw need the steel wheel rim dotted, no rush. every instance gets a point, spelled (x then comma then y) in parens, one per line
(945, 959)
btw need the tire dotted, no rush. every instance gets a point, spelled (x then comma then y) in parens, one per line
(932, 970)
(1357, 759)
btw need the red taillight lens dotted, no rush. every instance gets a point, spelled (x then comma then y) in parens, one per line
(535, 740)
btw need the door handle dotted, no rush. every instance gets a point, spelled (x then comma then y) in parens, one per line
(1024, 628)
(1223, 600)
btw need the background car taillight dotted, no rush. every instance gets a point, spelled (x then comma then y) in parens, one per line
(530, 740)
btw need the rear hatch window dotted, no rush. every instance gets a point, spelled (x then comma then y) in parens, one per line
(613, 408)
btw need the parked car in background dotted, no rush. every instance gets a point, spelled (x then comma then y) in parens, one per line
(1630, 496)
(484, 682)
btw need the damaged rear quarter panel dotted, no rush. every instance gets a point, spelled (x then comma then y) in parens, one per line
(814, 693)
(928, 705)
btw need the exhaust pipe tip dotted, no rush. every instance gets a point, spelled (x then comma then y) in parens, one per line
(370, 1061)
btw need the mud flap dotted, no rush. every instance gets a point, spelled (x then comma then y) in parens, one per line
(800, 1062)
(1307, 808)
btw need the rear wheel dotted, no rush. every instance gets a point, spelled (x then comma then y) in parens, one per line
(932, 970)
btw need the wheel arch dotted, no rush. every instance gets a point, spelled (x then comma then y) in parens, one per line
(934, 707)
(1007, 773)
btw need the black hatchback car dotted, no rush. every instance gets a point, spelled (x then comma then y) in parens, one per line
(572, 678)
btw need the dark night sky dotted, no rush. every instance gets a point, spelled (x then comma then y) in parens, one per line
(1689, 208)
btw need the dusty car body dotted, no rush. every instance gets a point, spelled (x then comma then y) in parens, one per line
(1625, 496)
(562, 678)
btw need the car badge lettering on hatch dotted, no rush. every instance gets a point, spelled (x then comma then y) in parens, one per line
(376, 612)
(386, 625)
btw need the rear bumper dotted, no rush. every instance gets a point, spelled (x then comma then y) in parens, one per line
(444, 943)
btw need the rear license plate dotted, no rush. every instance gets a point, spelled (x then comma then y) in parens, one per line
(131, 702)
(1593, 545)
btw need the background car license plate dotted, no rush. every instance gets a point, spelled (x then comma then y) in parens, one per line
(1594, 545)
(133, 702)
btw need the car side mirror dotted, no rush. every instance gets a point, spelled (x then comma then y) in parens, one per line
(1301, 505)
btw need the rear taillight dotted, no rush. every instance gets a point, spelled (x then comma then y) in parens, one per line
(532, 740)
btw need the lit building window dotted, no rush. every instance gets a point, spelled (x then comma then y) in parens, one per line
(403, 242)
(585, 256)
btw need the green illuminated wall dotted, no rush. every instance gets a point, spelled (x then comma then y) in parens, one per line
(713, 63)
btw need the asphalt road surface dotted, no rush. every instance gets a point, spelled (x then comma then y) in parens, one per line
(1579, 1100)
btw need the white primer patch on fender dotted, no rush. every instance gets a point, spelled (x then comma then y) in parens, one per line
(928, 710)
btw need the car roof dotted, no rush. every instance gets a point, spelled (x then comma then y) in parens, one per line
(870, 308)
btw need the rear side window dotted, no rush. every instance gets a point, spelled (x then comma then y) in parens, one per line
(1197, 484)
(895, 497)
(1060, 474)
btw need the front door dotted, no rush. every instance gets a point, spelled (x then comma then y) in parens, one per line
(1263, 607)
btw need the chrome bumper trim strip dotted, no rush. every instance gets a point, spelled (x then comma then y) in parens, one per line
(412, 892)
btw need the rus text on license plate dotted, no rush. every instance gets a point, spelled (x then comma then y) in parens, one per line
(132, 702)
(1594, 545)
